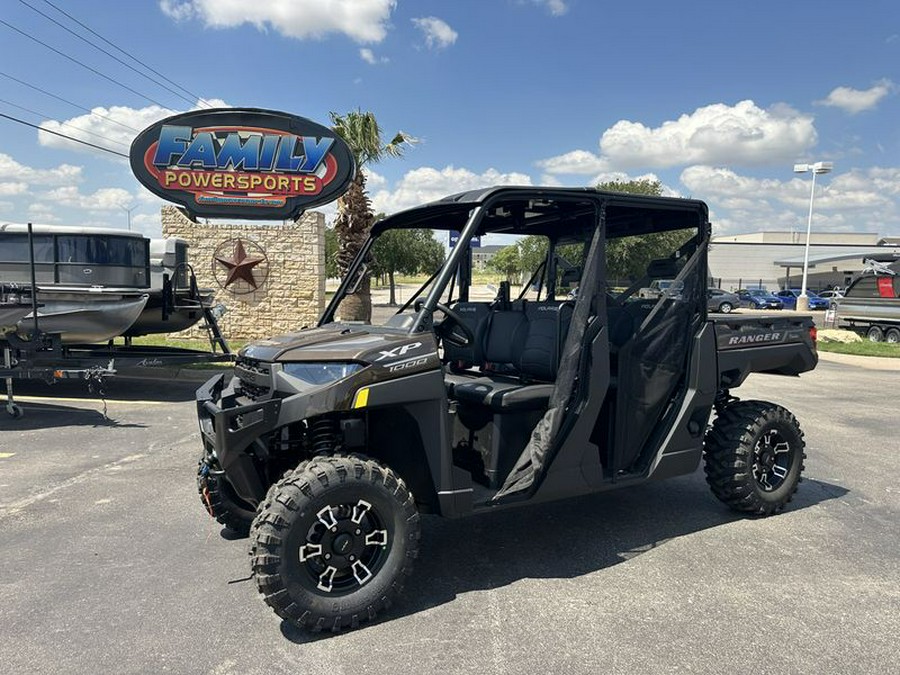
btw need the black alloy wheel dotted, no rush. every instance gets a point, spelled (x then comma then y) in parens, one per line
(773, 457)
(333, 542)
(345, 548)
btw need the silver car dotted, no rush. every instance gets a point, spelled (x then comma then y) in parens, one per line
(721, 301)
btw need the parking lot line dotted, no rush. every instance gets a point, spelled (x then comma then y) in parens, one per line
(6, 455)
(53, 399)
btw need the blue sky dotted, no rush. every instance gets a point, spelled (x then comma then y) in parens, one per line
(718, 100)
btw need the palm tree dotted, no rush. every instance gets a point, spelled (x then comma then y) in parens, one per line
(354, 217)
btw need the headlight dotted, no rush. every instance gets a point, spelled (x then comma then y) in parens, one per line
(321, 373)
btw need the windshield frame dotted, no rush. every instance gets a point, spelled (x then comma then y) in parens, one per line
(520, 210)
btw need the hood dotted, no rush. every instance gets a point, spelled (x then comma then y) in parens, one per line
(331, 342)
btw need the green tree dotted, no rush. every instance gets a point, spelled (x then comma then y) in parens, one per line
(628, 257)
(507, 261)
(641, 186)
(431, 252)
(354, 218)
(405, 252)
(532, 252)
(331, 250)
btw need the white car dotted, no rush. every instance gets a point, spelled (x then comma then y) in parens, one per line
(831, 295)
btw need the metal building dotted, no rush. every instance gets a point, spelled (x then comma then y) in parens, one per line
(774, 260)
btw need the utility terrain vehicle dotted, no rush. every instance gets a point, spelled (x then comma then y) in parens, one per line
(472, 397)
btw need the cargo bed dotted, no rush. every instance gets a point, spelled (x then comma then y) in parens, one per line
(779, 344)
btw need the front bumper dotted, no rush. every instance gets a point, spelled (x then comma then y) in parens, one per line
(228, 427)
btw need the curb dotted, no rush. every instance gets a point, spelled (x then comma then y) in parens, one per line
(867, 362)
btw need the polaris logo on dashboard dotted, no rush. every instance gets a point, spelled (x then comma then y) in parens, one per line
(752, 339)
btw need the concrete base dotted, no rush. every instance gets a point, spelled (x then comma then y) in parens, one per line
(803, 303)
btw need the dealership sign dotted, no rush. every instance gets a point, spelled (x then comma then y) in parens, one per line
(242, 163)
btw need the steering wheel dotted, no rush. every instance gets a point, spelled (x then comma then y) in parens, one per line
(453, 329)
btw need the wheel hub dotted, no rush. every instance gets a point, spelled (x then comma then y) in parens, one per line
(345, 547)
(773, 457)
(342, 544)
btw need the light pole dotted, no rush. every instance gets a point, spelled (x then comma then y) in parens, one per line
(128, 210)
(817, 168)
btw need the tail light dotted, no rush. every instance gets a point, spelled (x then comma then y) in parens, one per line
(814, 335)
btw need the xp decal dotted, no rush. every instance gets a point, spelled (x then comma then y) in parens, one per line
(246, 163)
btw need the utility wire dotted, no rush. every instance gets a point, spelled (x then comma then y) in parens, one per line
(71, 103)
(196, 97)
(56, 133)
(109, 54)
(65, 124)
(82, 64)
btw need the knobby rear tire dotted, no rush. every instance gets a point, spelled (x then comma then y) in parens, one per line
(730, 453)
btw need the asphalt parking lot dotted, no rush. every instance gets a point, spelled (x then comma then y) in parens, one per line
(109, 563)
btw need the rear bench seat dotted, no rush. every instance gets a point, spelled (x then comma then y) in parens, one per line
(519, 350)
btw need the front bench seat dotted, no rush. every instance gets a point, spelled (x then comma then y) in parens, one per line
(526, 341)
(503, 394)
(500, 342)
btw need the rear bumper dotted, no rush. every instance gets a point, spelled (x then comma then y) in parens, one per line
(229, 427)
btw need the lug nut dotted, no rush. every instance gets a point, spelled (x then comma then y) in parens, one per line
(359, 532)
(352, 558)
(327, 556)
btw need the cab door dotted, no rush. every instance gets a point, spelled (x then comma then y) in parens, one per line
(652, 345)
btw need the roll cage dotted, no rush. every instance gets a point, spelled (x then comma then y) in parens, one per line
(558, 213)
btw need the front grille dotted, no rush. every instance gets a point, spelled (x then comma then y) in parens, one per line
(255, 377)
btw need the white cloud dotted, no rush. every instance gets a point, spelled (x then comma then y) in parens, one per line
(718, 133)
(427, 184)
(369, 57)
(13, 188)
(177, 9)
(42, 213)
(855, 101)
(710, 181)
(438, 34)
(13, 171)
(622, 177)
(550, 180)
(118, 125)
(574, 162)
(374, 181)
(147, 223)
(556, 7)
(864, 200)
(363, 21)
(742, 134)
(104, 199)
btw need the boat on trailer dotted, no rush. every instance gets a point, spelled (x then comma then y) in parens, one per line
(88, 286)
(174, 303)
(96, 284)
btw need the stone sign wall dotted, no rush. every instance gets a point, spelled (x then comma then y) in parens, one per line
(270, 278)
